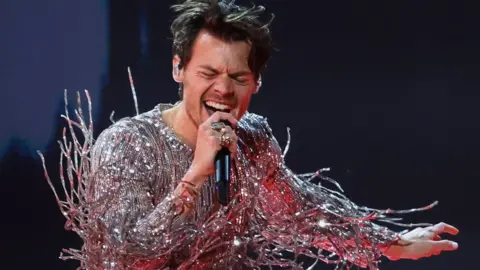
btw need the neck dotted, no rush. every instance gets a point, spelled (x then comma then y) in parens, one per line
(182, 124)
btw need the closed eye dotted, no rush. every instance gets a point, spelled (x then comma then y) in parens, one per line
(241, 80)
(208, 75)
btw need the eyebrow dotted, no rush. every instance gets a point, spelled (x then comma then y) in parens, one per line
(235, 74)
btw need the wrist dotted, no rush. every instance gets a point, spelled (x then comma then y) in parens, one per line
(395, 249)
(194, 176)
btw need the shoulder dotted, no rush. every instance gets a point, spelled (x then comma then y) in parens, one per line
(139, 125)
(126, 149)
(135, 131)
(255, 125)
(257, 135)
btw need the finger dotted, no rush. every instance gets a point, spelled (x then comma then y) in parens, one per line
(215, 141)
(214, 133)
(444, 228)
(227, 130)
(233, 145)
(447, 245)
(219, 116)
(231, 137)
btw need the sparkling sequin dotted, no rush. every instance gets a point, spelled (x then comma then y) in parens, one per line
(125, 210)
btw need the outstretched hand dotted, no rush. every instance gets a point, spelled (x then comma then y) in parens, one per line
(422, 242)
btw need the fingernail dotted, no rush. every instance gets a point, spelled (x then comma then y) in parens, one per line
(454, 245)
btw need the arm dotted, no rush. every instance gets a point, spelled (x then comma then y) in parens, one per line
(301, 214)
(304, 215)
(132, 227)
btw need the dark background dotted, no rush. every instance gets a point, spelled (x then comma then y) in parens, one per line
(383, 92)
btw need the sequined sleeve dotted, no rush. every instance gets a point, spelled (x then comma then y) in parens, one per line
(135, 227)
(300, 215)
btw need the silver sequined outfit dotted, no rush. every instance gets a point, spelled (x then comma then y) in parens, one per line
(126, 214)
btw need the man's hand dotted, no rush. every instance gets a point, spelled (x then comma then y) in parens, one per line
(422, 242)
(209, 143)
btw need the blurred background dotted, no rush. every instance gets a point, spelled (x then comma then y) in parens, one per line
(385, 93)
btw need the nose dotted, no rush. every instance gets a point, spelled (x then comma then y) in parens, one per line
(224, 85)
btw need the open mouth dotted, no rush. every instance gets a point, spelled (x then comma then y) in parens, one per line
(216, 107)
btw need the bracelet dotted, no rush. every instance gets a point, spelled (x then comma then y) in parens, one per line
(187, 198)
(190, 186)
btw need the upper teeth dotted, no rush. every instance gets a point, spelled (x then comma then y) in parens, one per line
(217, 106)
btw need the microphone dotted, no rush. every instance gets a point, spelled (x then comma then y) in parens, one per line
(222, 173)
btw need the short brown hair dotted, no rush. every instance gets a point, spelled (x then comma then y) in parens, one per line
(226, 20)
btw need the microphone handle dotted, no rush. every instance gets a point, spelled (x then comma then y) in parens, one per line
(222, 173)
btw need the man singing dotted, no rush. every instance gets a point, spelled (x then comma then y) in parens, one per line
(148, 198)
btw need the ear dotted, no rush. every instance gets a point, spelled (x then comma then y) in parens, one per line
(259, 84)
(177, 73)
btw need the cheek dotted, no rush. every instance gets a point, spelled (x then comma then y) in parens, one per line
(244, 97)
(194, 89)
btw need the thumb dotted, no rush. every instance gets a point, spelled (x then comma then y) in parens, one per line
(444, 245)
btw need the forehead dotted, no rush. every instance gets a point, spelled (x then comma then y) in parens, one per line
(210, 49)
